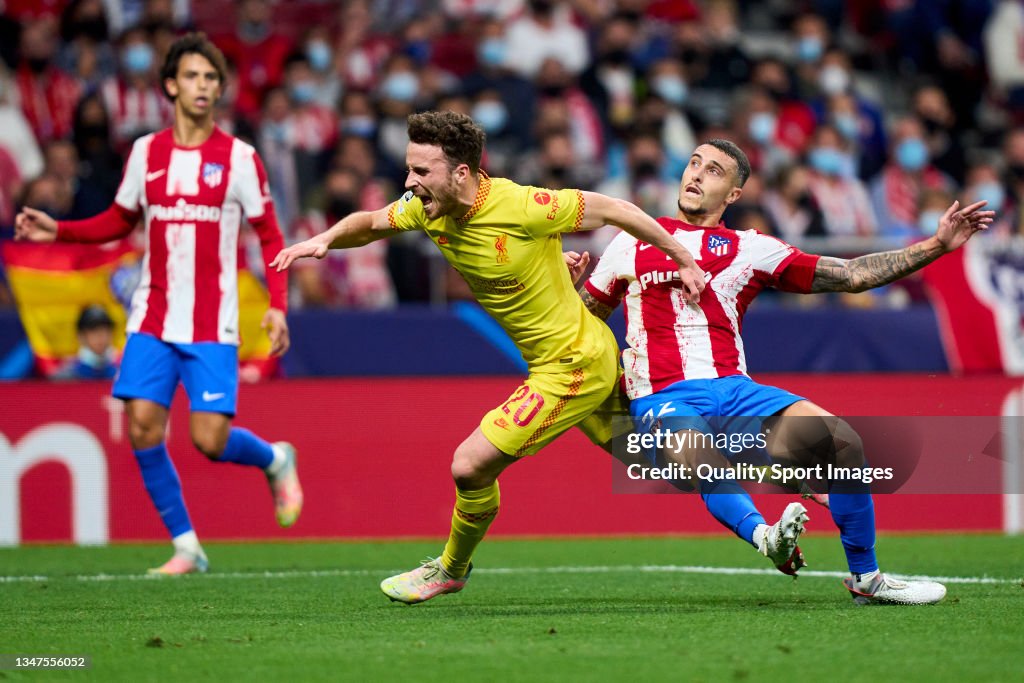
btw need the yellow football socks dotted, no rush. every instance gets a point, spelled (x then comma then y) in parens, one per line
(474, 512)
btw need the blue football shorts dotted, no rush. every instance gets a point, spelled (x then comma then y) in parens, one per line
(732, 406)
(151, 369)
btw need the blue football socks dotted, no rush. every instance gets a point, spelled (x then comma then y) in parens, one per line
(854, 514)
(164, 488)
(245, 448)
(732, 506)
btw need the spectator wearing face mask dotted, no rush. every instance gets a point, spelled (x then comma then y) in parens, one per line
(358, 116)
(319, 53)
(896, 192)
(491, 114)
(276, 139)
(134, 100)
(257, 51)
(314, 126)
(758, 128)
(493, 72)
(837, 100)
(811, 40)
(396, 95)
(835, 187)
(791, 206)
(861, 128)
(97, 358)
(933, 204)
(665, 109)
(984, 183)
(795, 120)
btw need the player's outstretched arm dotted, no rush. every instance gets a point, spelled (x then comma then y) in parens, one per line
(354, 230)
(602, 210)
(874, 270)
(113, 223)
(35, 226)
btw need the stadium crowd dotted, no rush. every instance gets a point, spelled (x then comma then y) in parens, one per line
(862, 119)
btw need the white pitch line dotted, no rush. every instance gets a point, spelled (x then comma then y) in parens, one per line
(653, 569)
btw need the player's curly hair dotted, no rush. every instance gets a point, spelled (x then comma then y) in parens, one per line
(458, 136)
(195, 44)
(737, 154)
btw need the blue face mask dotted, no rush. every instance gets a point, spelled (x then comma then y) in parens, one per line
(912, 154)
(993, 193)
(928, 221)
(762, 126)
(319, 55)
(492, 116)
(491, 52)
(402, 86)
(277, 132)
(137, 58)
(302, 92)
(672, 88)
(848, 125)
(809, 49)
(362, 126)
(828, 161)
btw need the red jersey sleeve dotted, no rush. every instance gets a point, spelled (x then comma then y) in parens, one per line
(112, 224)
(796, 274)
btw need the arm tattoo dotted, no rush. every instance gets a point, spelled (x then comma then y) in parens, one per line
(599, 309)
(873, 270)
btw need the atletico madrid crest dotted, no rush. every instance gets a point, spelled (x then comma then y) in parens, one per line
(213, 174)
(719, 246)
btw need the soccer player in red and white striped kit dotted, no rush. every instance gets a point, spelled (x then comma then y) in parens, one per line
(685, 371)
(190, 184)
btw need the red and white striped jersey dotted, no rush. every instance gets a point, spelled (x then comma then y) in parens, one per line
(670, 340)
(192, 200)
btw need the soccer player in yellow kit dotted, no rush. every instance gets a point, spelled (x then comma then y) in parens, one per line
(504, 239)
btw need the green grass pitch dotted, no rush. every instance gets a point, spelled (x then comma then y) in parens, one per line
(554, 609)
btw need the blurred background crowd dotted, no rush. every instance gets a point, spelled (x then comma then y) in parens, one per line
(863, 119)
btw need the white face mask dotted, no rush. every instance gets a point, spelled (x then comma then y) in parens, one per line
(834, 79)
(928, 221)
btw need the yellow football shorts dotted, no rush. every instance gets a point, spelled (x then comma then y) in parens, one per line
(549, 403)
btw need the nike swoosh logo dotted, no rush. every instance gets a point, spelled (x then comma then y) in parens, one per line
(643, 245)
(207, 396)
(155, 174)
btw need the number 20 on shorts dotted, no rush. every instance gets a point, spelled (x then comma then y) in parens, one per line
(529, 407)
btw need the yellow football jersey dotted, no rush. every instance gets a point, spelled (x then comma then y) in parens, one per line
(508, 247)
